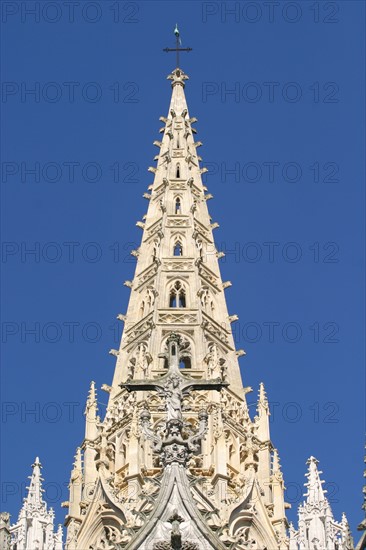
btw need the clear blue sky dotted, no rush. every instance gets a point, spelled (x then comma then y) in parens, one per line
(292, 213)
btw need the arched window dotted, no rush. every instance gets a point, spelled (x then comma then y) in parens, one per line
(178, 206)
(178, 141)
(177, 173)
(178, 249)
(177, 297)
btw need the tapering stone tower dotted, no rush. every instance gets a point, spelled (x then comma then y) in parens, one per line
(318, 529)
(34, 529)
(177, 462)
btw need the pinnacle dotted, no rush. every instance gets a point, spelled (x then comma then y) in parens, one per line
(262, 393)
(92, 395)
(35, 486)
(262, 398)
(77, 461)
(315, 493)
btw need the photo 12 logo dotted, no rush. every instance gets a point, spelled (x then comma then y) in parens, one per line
(271, 92)
(69, 92)
(270, 12)
(69, 11)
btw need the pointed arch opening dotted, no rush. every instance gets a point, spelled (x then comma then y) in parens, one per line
(177, 296)
(178, 249)
(178, 206)
(177, 171)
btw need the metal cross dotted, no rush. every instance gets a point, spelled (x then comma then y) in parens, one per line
(177, 49)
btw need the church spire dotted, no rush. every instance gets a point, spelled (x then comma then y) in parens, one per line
(317, 527)
(35, 490)
(35, 526)
(315, 493)
(177, 444)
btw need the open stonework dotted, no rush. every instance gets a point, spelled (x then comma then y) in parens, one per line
(177, 461)
(34, 529)
(317, 528)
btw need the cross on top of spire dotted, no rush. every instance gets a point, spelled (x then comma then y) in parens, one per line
(177, 48)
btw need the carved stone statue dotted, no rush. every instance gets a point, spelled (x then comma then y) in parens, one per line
(173, 398)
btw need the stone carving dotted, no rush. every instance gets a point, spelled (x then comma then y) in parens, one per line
(215, 330)
(178, 443)
(120, 410)
(208, 275)
(111, 538)
(207, 301)
(215, 363)
(178, 186)
(242, 540)
(176, 221)
(177, 318)
(148, 273)
(178, 265)
(139, 330)
(200, 228)
(176, 542)
(153, 230)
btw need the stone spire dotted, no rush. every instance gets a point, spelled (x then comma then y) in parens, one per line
(317, 528)
(35, 527)
(315, 493)
(76, 484)
(177, 459)
(34, 496)
(91, 410)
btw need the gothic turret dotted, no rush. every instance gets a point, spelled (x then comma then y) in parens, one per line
(317, 527)
(35, 527)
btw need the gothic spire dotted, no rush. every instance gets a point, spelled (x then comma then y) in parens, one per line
(177, 407)
(35, 526)
(315, 493)
(317, 527)
(35, 490)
